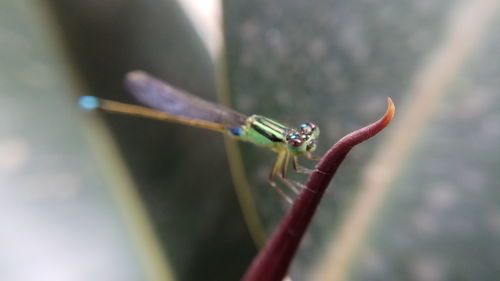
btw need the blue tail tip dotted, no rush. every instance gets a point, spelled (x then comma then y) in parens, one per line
(89, 102)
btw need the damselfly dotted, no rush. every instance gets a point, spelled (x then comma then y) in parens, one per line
(174, 105)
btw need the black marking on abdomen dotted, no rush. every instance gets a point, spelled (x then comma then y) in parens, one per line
(273, 135)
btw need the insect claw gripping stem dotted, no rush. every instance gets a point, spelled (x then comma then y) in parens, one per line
(300, 169)
(321, 172)
(303, 170)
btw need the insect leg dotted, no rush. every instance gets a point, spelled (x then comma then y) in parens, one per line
(309, 156)
(277, 171)
(300, 169)
(282, 175)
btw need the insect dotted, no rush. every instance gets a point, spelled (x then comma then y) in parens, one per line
(174, 105)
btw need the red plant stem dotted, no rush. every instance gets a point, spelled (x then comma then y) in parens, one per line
(272, 262)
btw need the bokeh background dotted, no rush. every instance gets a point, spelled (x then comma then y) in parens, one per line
(87, 196)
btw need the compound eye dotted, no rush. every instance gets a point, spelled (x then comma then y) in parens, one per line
(294, 140)
(307, 128)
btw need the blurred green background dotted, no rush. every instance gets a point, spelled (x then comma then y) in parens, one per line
(86, 196)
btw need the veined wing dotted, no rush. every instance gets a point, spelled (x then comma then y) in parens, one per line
(161, 96)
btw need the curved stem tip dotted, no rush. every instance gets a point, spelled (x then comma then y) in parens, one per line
(272, 262)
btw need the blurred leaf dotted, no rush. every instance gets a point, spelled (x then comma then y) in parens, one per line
(61, 217)
(419, 203)
(99, 227)
(181, 173)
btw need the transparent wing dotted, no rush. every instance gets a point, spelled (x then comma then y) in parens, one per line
(161, 96)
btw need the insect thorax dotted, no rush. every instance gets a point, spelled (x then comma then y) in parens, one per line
(261, 131)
